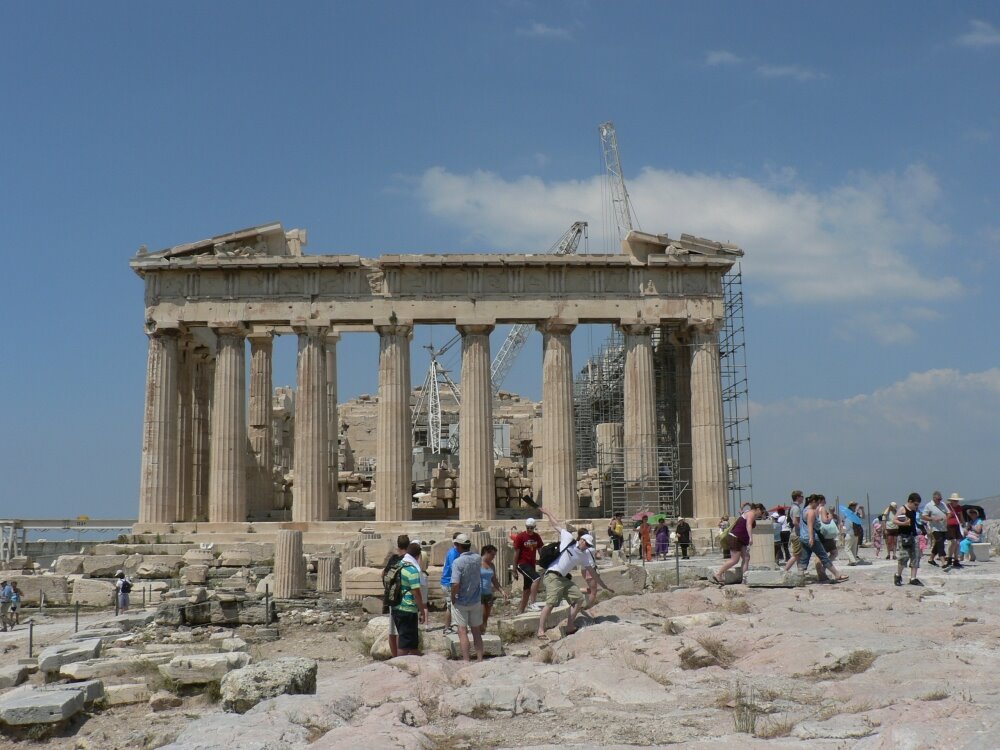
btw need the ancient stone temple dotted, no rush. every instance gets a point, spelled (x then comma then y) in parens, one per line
(214, 307)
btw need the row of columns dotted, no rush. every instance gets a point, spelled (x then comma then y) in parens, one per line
(197, 437)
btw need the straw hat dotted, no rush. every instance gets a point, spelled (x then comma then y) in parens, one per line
(954, 498)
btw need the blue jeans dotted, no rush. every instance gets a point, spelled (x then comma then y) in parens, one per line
(808, 550)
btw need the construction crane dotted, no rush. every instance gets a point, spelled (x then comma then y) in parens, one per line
(437, 377)
(621, 206)
(519, 332)
(429, 400)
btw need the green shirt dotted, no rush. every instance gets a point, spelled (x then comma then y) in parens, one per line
(409, 577)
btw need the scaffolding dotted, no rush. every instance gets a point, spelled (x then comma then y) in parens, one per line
(735, 392)
(598, 398)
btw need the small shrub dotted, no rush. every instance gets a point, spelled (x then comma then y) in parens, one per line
(638, 664)
(717, 650)
(773, 728)
(935, 695)
(737, 606)
(746, 711)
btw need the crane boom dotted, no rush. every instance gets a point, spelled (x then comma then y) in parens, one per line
(620, 203)
(518, 335)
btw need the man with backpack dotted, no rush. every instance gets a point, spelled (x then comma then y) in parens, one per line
(391, 588)
(404, 596)
(6, 595)
(124, 588)
(559, 560)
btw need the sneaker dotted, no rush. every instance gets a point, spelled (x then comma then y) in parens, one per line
(932, 562)
(915, 582)
(898, 580)
(957, 564)
(536, 607)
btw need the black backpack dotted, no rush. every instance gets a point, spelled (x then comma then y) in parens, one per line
(392, 582)
(126, 586)
(550, 552)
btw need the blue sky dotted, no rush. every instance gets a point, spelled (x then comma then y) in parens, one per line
(851, 149)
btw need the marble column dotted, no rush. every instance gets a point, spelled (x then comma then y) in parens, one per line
(394, 455)
(289, 566)
(475, 427)
(311, 490)
(202, 379)
(708, 455)
(158, 474)
(227, 483)
(332, 421)
(639, 423)
(261, 486)
(328, 574)
(558, 436)
(185, 435)
(681, 398)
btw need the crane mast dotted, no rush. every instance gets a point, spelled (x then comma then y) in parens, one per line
(620, 204)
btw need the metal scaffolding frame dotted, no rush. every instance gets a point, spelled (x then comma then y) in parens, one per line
(735, 391)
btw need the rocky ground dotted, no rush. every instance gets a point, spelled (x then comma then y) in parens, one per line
(862, 664)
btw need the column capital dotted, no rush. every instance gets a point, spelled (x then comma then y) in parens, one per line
(395, 329)
(261, 336)
(163, 327)
(637, 329)
(310, 328)
(229, 328)
(332, 336)
(474, 328)
(704, 326)
(556, 325)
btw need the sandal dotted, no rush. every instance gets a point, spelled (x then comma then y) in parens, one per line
(543, 639)
(838, 579)
(715, 580)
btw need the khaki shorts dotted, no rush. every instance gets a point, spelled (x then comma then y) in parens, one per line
(558, 588)
(467, 615)
(796, 545)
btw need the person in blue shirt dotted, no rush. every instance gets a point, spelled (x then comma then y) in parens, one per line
(6, 596)
(450, 558)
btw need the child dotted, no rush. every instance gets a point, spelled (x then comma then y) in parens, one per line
(877, 536)
(490, 582)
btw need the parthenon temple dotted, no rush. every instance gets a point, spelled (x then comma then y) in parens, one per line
(209, 436)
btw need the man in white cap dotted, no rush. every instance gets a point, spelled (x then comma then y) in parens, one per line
(559, 586)
(466, 597)
(526, 546)
(123, 585)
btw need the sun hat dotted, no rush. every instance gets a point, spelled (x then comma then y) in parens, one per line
(530, 522)
(954, 498)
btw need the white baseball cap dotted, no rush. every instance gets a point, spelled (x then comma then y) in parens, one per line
(462, 539)
(588, 539)
(530, 522)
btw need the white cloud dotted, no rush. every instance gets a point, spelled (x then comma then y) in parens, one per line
(722, 57)
(538, 29)
(795, 72)
(980, 34)
(930, 430)
(860, 240)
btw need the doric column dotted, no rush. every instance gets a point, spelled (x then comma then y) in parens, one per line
(475, 427)
(185, 434)
(558, 436)
(289, 566)
(158, 475)
(708, 455)
(681, 399)
(227, 484)
(328, 574)
(639, 405)
(332, 422)
(202, 380)
(394, 456)
(261, 486)
(311, 489)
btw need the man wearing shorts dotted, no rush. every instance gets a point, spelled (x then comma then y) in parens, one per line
(559, 585)
(6, 594)
(526, 546)
(466, 597)
(794, 515)
(412, 609)
(908, 551)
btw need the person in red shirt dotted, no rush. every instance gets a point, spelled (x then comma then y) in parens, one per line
(953, 533)
(526, 546)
